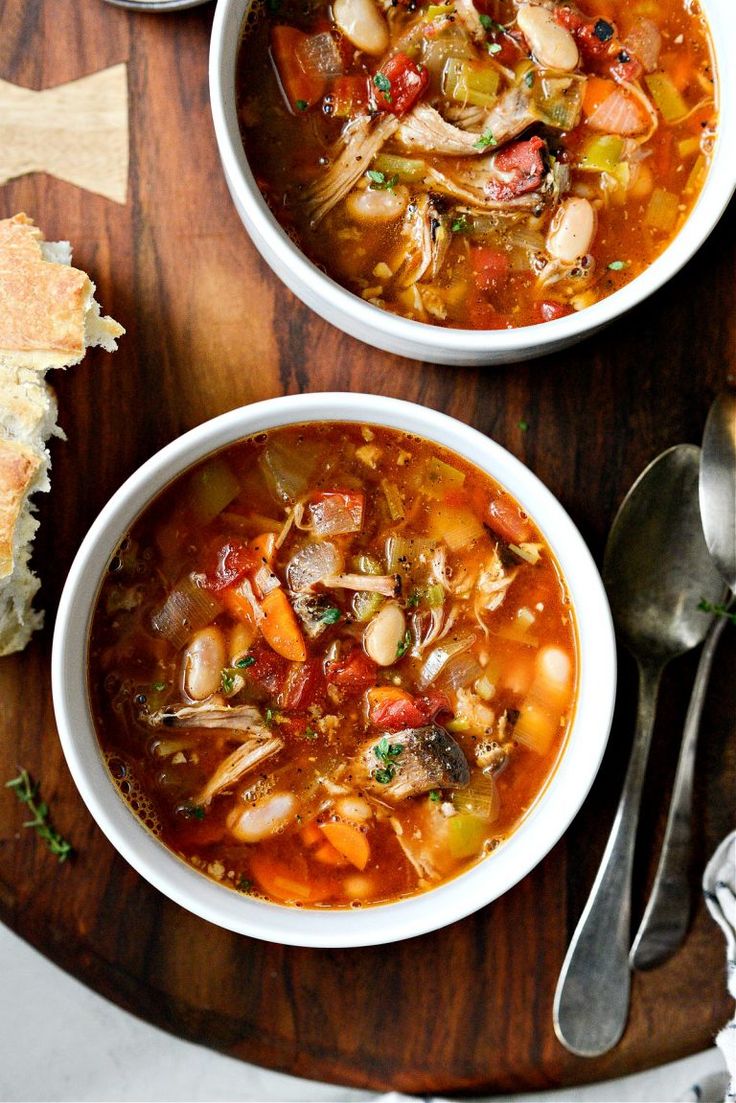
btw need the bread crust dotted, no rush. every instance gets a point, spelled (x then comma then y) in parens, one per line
(43, 304)
(48, 317)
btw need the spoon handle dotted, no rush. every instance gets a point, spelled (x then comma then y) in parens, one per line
(591, 1003)
(667, 914)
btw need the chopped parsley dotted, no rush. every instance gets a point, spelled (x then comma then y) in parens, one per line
(603, 31)
(380, 182)
(387, 753)
(460, 225)
(269, 717)
(414, 598)
(310, 733)
(247, 660)
(529, 78)
(244, 885)
(718, 610)
(494, 48)
(227, 680)
(435, 796)
(383, 84)
(158, 687)
(26, 790)
(330, 616)
(489, 24)
(617, 265)
(301, 105)
(523, 425)
(403, 645)
(485, 141)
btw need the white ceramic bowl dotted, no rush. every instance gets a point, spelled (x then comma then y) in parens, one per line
(434, 343)
(537, 834)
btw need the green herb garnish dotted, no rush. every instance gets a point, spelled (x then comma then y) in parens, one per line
(485, 141)
(494, 48)
(157, 687)
(387, 753)
(435, 796)
(383, 84)
(330, 616)
(718, 610)
(192, 811)
(227, 680)
(301, 105)
(529, 78)
(489, 24)
(380, 182)
(523, 425)
(460, 225)
(617, 265)
(244, 885)
(310, 733)
(26, 790)
(414, 598)
(247, 660)
(403, 645)
(269, 717)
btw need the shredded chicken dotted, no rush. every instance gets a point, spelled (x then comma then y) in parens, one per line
(474, 712)
(425, 241)
(236, 765)
(415, 761)
(389, 584)
(210, 714)
(425, 129)
(352, 154)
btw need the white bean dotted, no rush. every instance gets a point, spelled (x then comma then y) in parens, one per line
(253, 824)
(377, 205)
(353, 808)
(551, 44)
(572, 230)
(384, 634)
(363, 24)
(202, 663)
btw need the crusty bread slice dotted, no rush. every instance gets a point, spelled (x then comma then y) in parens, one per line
(48, 317)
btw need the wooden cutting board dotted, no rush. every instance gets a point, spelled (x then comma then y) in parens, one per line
(210, 328)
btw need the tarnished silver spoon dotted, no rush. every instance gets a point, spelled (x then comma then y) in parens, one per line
(667, 915)
(656, 569)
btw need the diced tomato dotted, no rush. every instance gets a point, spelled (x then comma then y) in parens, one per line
(348, 96)
(269, 670)
(399, 83)
(490, 267)
(229, 562)
(355, 673)
(305, 685)
(393, 709)
(511, 44)
(506, 519)
(518, 169)
(301, 85)
(600, 45)
(547, 310)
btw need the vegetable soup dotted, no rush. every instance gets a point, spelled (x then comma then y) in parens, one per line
(480, 165)
(332, 665)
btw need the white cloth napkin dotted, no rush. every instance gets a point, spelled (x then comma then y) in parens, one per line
(719, 888)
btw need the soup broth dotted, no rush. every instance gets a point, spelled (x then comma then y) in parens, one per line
(332, 665)
(479, 165)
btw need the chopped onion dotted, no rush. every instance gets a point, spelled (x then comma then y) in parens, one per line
(266, 580)
(212, 487)
(320, 52)
(438, 659)
(313, 563)
(479, 799)
(187, 609)
(287, 468)
(459, 672)
(336, 514)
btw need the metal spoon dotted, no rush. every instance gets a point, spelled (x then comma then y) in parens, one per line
(667, 916)
(656, 569)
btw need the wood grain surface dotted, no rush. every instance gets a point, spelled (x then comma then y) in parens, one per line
(210, 328)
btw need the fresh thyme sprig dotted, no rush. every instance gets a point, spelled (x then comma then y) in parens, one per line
(26, 790)
(729, 612)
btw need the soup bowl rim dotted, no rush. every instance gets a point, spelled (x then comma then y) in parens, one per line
(551, 813)
(421, 340)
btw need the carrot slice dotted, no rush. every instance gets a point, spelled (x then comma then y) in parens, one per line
(280, 627)
(302, 87)
(330, 855)
(278, 882)
(237, 604)
(311, 835)
(349, 841)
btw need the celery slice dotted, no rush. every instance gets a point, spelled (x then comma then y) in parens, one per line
(468, 82)
(408, 170)
(666, 96)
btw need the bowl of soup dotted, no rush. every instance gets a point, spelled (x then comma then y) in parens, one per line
(333, 670)
(475, 182)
